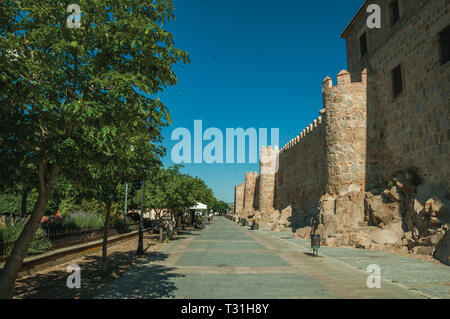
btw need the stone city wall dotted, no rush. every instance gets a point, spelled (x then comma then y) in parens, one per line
(327, 156)
(302, 175)
(373, 171)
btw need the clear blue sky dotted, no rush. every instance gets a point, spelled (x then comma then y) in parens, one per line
(254, 63)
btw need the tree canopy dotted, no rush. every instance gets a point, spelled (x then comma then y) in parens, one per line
(170, 189)
(77, 98)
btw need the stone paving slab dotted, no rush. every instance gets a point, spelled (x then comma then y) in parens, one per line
(228, 261)
(233, 270)
(429, 278)
(220, 259)
(245, 245)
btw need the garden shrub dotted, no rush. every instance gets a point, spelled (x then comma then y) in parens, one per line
(122, 226)
(12, 230)
(76, 220)
(83, 220)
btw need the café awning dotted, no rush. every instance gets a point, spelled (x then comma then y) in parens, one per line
(199, 206)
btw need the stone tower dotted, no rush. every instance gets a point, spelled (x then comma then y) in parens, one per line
(239, 198)
(346, 131)
(249, 190)
(269, 164)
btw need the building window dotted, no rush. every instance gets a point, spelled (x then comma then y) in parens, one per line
(394, 11)
(363, 44)
(444, 43)
(397, 81)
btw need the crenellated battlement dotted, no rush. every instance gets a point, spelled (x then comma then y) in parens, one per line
(344, 86)
(306, 131)
(251, 175)
(328, 154)
(344, 82)
(268, 151)
(268, 158)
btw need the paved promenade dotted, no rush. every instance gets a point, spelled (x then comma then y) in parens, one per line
(228, 261)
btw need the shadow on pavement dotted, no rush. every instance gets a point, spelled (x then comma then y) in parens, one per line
(310, 254)
(145, 281)
(52, 284)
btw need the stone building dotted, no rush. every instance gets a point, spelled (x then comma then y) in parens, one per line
(384, 124)
(408, 96)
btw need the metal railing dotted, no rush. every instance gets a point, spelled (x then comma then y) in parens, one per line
(66, 237)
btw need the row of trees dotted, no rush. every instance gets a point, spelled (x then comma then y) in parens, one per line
(166, 188)
(169, 193)
(80, 103)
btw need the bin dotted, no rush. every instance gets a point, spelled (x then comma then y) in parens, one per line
(315, 243)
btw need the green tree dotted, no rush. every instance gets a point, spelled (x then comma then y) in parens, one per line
(102, 178)
(156, 196)
(168, 193)
(69, 95)
(220, 206)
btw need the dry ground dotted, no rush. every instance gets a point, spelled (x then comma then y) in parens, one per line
(51, 282)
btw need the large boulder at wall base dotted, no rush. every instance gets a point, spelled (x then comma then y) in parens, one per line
(442, 249)
(438, 207)
(391, 234)
(381, 212)
(268, 219)
(423, 250)
(358, 239)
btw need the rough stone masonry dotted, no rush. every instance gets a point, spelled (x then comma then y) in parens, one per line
(372, 171)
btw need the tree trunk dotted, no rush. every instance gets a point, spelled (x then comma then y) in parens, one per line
(161, 233)
(13, 264)
(105, 238)
(24, 202)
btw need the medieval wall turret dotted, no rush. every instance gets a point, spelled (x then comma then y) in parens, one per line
(239, 198)
(346, 130)
(249, 190)
(269, 164)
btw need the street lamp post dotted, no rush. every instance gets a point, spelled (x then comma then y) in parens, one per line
(140, 249)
